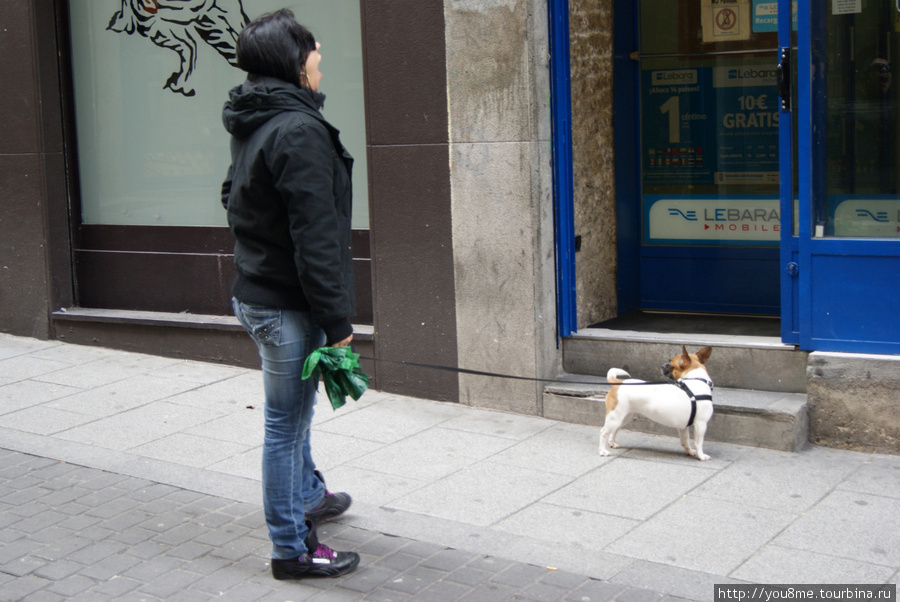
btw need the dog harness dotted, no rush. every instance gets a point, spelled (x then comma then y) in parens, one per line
(684, 387)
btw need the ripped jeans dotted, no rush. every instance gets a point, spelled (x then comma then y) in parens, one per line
(285, 338)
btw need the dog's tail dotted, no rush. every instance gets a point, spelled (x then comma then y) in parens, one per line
(616, 375)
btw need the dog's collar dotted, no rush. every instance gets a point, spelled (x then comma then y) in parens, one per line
(684, 387)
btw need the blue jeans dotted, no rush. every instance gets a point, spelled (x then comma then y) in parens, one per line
(285, 338)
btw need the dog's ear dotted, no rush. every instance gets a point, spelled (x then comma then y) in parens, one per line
(685, 360)
(704, 354)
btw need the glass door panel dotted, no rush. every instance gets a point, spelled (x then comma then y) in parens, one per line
(849, 259)
(862, 166)
(710, 112)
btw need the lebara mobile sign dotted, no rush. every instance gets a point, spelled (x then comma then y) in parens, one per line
(747, 220)
(872, 216)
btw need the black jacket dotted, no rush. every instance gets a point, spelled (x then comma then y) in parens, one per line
(288, 196)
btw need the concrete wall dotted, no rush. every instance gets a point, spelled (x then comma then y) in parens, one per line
(854, 401)
(501, 198)
(591, 71)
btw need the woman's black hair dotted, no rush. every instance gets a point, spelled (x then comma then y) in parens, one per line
(275, 45)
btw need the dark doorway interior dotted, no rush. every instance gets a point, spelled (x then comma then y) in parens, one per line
(701, 323)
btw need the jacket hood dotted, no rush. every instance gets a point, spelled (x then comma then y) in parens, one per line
(259, 99)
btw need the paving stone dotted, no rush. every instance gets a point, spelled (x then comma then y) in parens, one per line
(469, 575)
(519, 575)
(219, 582)
(62, 548)
(596, 591)
(191, 595)
(116, 587)
(563, 579)
(96, 552)
(56, 571)
(542, 592)
(490, 592)
(398, 561)
(132, 537)
(367, 579)
(110, 567)
(190, 550)
(169, 583)
(378, 546)
(21, 589)
(443, 591)
(22, 566)
(447, 560)
(414, 580)
(633, 594)
(180, 534)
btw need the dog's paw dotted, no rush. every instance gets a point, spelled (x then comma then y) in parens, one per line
(604, 452)
(614, 445)
(703, 457)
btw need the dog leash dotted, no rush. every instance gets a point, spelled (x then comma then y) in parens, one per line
(496, 374)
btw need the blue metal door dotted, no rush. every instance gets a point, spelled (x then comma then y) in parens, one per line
(846, 287)
(787, 92)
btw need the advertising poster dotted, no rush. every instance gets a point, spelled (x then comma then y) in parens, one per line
(710, 126)
(765, 16)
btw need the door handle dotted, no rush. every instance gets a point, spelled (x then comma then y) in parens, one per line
(784, 79)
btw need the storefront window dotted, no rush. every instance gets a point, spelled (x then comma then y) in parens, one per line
(709, 123)
(862, 123)
(151, 77)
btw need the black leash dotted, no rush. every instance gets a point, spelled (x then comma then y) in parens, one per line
(496, 374)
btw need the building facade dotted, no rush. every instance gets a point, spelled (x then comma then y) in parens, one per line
(525, 169)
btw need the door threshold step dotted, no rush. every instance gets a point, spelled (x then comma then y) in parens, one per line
(682, 338)
(737, 361)
(772, 420)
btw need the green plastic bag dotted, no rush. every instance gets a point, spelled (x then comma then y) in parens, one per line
(339, 369)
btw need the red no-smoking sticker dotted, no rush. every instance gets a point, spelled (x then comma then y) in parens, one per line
(726, 19)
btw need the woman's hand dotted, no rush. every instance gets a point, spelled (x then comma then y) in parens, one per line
(345, 343)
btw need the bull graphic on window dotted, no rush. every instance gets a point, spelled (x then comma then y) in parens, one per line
(177, 25)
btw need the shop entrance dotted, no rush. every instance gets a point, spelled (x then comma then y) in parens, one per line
(702, 191)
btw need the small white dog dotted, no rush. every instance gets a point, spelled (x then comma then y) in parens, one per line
(680, 405)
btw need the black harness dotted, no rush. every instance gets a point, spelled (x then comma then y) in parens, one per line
(683, 386)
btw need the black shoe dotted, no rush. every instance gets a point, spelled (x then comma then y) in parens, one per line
(333, 505)
(321, 561)
(324, 562)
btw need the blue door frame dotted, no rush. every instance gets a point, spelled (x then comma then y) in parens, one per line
(561, 141)
(837, 294)
(790, 261)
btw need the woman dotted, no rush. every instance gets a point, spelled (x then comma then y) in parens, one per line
(288, 196)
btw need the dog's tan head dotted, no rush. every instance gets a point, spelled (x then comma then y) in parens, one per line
(685, 362)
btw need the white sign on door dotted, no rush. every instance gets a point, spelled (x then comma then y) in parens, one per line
(726, 20)
(846, 7)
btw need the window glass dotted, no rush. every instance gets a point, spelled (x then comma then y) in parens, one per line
(151, 77)
(862, 136)
(709, 123)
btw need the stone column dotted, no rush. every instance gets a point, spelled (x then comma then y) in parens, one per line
(501, 198)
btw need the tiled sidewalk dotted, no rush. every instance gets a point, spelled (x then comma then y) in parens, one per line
(76, 533)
